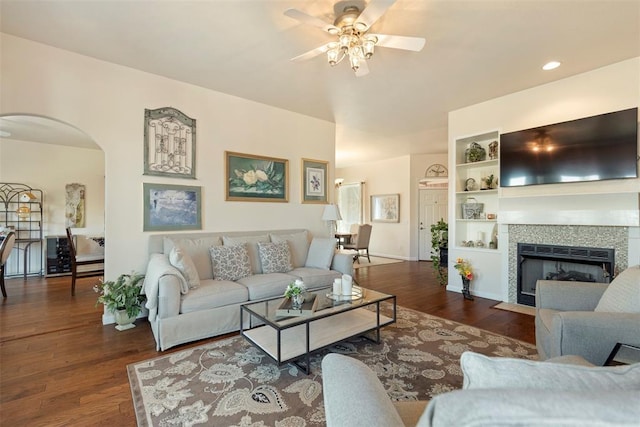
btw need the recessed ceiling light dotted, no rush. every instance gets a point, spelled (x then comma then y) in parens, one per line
(551, 65)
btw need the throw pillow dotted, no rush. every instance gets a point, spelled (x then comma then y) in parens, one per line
(298, 246)
(275, 257)
(623, 293)
(230, 262)
(183, 262)
(252, 248)
(321, 253)
(501, 372)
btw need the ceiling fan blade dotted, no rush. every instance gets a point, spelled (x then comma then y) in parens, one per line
(311, 20)
(363, 69)
(314, 52)
(400, 42)
(374, 10)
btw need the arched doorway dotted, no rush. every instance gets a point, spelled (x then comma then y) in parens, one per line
(49, 154)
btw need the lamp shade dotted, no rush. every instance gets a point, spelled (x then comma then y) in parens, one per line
(331, 213)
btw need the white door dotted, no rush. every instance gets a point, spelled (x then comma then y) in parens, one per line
(433, 207)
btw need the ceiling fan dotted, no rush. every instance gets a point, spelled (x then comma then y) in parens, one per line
(352, 37)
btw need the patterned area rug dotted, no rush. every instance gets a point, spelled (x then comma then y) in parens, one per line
(231, 383)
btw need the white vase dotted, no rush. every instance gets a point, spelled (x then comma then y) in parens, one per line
(123, 320)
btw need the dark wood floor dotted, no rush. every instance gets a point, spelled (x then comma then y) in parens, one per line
(61, 366)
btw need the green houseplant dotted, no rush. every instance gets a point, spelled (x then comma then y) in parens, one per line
(440, 245)
(122, 295)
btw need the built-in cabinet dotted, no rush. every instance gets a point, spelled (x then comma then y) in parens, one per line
(473, 216)
(58, 256)
(476, 191)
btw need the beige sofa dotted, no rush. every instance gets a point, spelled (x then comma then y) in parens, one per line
(497, 391)
(196, 282)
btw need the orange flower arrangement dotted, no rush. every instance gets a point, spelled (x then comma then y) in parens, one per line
(464, 268)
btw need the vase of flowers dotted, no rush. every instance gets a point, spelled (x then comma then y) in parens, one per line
(122, 297)
(295, 291)
(466, 273)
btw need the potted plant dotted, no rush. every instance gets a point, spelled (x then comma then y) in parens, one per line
(122, 297)
(295, 291)
(440, 245)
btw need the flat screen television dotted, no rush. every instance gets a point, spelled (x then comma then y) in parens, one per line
(594, 148)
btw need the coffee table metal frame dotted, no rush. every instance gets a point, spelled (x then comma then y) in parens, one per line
(333, 321)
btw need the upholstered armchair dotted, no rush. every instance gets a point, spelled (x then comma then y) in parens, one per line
(587, 319)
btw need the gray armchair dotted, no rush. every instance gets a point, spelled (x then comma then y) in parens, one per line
(578, 318)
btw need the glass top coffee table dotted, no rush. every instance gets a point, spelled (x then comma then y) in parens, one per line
(291, 339)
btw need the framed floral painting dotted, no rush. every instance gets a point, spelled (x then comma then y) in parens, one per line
(172, 207)
(252, 178)
(385, 208)
(314, 181)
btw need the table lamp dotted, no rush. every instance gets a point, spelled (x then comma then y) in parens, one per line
(331, 214)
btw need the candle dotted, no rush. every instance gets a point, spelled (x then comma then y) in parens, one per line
(346, 284)
(337, 286)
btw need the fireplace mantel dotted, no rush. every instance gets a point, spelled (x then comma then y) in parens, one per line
(616, 210)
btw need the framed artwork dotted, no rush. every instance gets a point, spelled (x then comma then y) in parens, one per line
(169, 143)
(385, 208)
(74, 205)
(172, 207)
(252, 178)
(314, 181)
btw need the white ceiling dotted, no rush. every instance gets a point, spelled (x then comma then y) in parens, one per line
(476, 50)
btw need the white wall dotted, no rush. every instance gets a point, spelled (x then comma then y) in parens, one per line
(385, 177)
(49, 168)
(397, 175)
(612, 88)
(107, 102)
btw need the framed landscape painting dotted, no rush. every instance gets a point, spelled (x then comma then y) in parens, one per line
(385, 208)
(172, 207)
(252, 178)
(314, 181)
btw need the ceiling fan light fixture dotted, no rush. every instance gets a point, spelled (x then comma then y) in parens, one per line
(354, 58)
(368, 45)
(360, 26)
(345, 41)
(332, 56)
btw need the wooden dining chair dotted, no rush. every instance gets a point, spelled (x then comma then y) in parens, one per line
(90, 265)
(5, 250)
(361, 242)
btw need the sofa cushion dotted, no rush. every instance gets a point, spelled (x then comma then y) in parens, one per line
(274, 257)
(531, 408)
(198, 250)
(315, 278)
(266, 285)
(252, 248)
(321, 253)
(213, 293)
(181, 260)
(501, 372)
(298, 245)
(230, 262)
(623, 293)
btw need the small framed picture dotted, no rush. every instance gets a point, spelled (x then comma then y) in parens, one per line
(314, 181)
(172, 207)
(252, 178)
(385, 208)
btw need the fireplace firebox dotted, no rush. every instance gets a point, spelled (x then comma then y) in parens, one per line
(552, 262)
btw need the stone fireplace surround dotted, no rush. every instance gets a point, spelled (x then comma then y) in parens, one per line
(615, 237)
